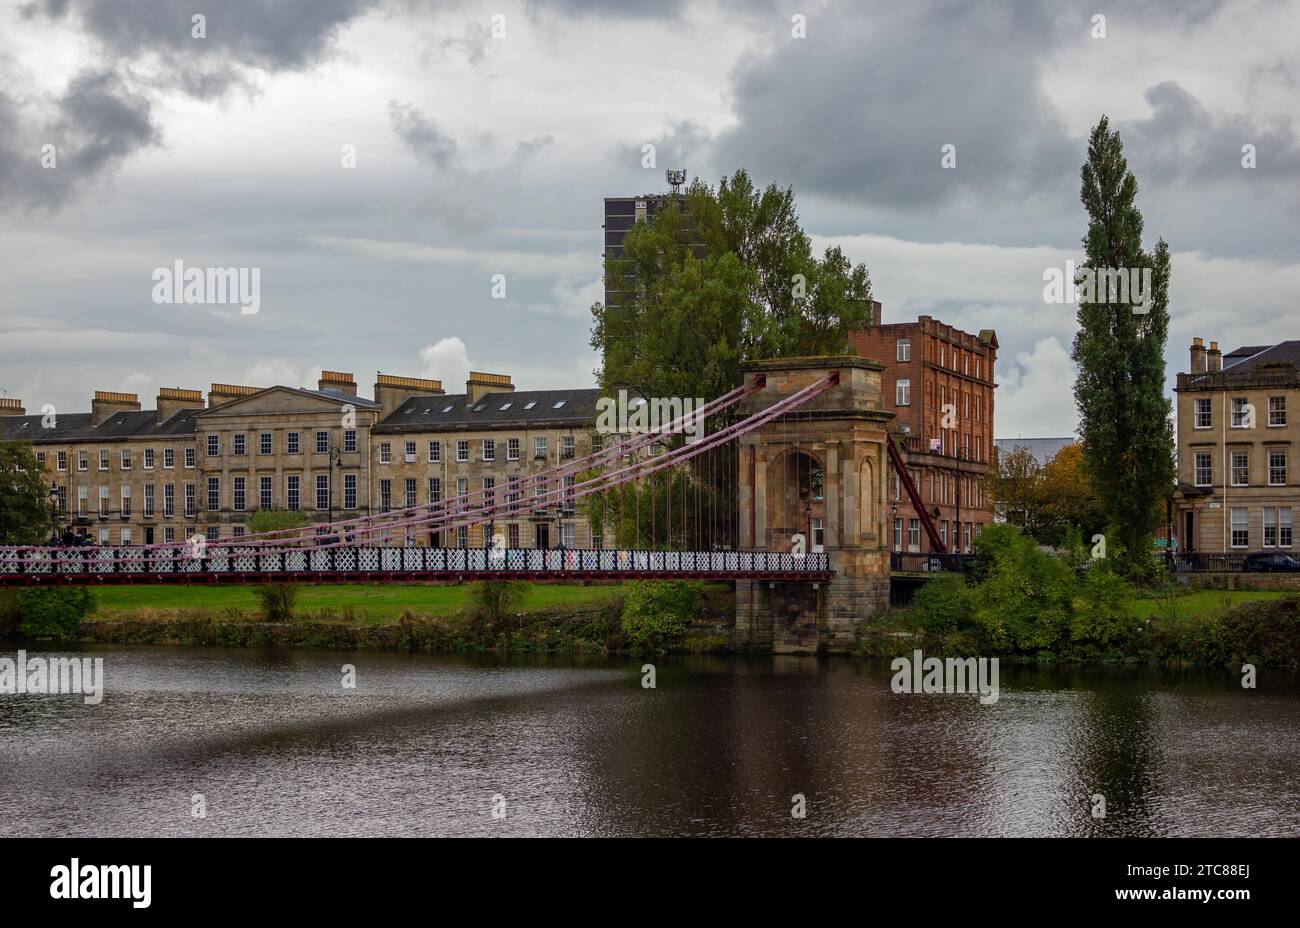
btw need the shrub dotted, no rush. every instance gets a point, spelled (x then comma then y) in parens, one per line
(943, 605)
(991, 544)
(1105, 616)
(1026, 602)
(494, 600)
(656, 612)
(278, 600)
(53, 612)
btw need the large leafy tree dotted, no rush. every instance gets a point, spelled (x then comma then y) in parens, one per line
(1120, 390)
(24, 506)
(1016, 486)
(731, 276)
(726, 277)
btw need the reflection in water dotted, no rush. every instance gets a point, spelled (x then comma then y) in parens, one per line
(276, 746)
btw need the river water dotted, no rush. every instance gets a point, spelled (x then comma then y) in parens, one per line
(271, 743)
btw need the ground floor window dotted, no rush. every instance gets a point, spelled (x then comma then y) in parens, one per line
(914, 534)
(1277, 526)
(1240, 527)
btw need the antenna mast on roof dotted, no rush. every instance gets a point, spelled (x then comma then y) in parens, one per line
(675, 179)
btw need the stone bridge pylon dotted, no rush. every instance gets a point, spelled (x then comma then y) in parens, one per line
(819, 471)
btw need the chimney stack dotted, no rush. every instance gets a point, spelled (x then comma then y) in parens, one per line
(172, 400)
(391, 391)
(11, 406)
(480, 385)
(222, 393)
(1198, 356)
(107, 404)
(1214, 358)
(337, 382)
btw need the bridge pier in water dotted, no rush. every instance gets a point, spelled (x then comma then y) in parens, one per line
(819, 470)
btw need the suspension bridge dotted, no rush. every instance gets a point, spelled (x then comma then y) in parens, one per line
(782, 491)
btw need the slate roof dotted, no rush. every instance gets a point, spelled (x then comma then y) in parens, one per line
(1043, 449)
(496, 410)
(1251, 357)
(69, 427)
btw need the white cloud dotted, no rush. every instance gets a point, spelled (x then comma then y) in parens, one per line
(1035, 396)
(446, 360)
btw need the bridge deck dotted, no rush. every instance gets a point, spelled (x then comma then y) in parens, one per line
(354, 564)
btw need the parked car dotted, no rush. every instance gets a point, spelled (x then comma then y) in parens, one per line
(1270, 562)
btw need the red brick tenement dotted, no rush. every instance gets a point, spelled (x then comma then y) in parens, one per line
(930, 365)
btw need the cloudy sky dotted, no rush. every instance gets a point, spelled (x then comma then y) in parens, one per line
(486, 136)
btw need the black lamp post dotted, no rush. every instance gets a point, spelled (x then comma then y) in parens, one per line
(54, 514)
(893, 524)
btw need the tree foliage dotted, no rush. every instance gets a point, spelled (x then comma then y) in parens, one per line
(1120, 390)
(729, 277)
(657, 612)
(24, 506)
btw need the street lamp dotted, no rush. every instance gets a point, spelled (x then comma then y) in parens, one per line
(54, 514)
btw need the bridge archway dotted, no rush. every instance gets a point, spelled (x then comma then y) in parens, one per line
(796, 497)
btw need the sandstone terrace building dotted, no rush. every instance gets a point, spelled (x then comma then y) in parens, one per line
(1235, 494)
(125, 475)
(929, 365)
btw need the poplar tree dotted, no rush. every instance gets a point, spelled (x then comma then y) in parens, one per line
(1124, 413)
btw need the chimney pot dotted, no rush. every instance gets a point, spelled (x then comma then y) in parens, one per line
(11, 406)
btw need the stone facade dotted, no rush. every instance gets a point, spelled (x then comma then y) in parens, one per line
(187, 467)
(1236, 493)
(819, 471)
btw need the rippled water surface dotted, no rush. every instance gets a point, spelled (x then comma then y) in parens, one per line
(423, 745)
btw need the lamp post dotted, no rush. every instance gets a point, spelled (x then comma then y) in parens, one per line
(893, 524)
(54, 514)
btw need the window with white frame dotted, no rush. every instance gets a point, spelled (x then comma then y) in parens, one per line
(322, 443)
(1240, 527)
(322, 491)
(914, 534)
(567, 447)
(903, 393)
(148, 500)
(291, 443)
(264, 443)
(349, 491)
(385, 495)
(410, 492)
(903, 349)
(1277, 526)
(83, 460)
(350, 441)
(169, 458)
(1239, 412)
(148, 459)
(489, 449)
(240, 494)
(264, 485)
(191, 504)
(189, 458)
(435, 452)
(539, 446)
(103, 460)
(241, 447)
(214, 493)
(1204, 416)
(512, 449)
(385, 452)
(1276, 411)
(462, 450)
(1240, 469)
(1204, 470)
(408, 452)
(169, 500)
(103, 501)
(435, 490)
(126, 460)
(293, 492)
(126, 500)
(1277, 468)
(214, 445)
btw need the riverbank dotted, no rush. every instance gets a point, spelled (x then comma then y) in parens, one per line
(1208, 628)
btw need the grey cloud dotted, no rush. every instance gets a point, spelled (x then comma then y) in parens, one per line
(95, 124)
(422, 135)
(1183, 142)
